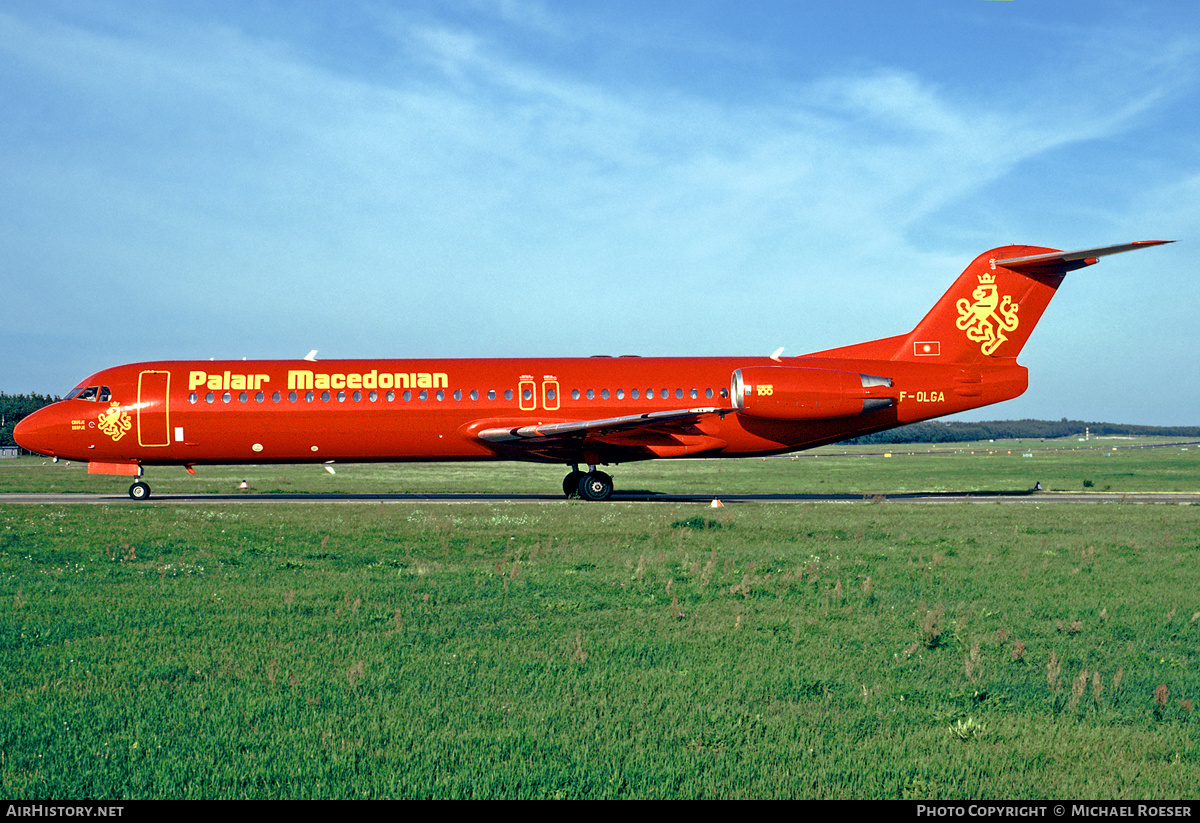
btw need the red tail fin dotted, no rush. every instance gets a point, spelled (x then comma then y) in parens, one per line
(988, 312)
(993, 306)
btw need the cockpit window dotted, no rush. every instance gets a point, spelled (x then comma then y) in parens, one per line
(100, 393)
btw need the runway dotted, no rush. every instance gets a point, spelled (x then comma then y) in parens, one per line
(1146, 498)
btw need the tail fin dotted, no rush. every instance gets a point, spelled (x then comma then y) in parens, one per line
(993, 306)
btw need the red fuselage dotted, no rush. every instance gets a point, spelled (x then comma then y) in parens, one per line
(399, 410)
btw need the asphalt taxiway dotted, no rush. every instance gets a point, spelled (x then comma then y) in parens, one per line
(1146, 498)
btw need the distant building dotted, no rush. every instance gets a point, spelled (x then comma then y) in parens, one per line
(9, 451)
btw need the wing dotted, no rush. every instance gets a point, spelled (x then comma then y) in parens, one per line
(613, 439)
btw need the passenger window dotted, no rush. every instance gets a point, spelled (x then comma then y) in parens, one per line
(292, 397)
(441, 395)
(407, 395)
(620, 394)
(708, 393)
(373, 396)
(634, 394)
(695, 394)
(508, 394)
(574, 394)
(258, 398)
(604, 393)
(243, 397)
(474, 394)
(391, 395)
(210, 398)
(227, 397)
(276, 397)
(357, 396)
(491, 394)
(324, 397)
(458, 394)
(424, 395)
(591, 394)
(192, 398)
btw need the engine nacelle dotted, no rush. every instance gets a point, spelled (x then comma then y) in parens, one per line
(786, 393)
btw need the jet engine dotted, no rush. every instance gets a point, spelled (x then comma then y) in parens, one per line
(785, 393)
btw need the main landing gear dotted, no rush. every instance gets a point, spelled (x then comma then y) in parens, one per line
(590, 485)
(139, 490)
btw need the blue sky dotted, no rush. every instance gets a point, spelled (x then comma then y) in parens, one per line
(471, 179)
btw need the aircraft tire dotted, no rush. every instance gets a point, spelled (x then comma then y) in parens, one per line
(571, 483)
(596, 486)
(139, 491)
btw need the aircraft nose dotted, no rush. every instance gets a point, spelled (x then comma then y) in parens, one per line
(34, 434)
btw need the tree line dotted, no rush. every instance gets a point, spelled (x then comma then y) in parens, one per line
(952, 431)
(15, 406)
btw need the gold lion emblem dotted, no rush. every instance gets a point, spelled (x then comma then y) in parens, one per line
(114, 422)
(989, 317)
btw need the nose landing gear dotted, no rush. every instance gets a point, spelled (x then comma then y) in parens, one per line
(139, 491)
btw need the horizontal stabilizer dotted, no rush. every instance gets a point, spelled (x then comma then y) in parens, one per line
(1062, 261)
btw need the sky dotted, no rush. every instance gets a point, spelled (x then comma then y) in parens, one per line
(251, 179)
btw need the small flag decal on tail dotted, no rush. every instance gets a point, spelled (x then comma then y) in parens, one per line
(927, 348)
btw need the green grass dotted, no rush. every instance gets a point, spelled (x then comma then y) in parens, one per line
(565, 649)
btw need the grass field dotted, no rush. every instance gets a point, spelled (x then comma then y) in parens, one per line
(565, 649)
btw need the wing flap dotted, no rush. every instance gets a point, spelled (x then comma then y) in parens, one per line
(674, 421)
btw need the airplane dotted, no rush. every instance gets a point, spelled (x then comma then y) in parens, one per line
(593, 411)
